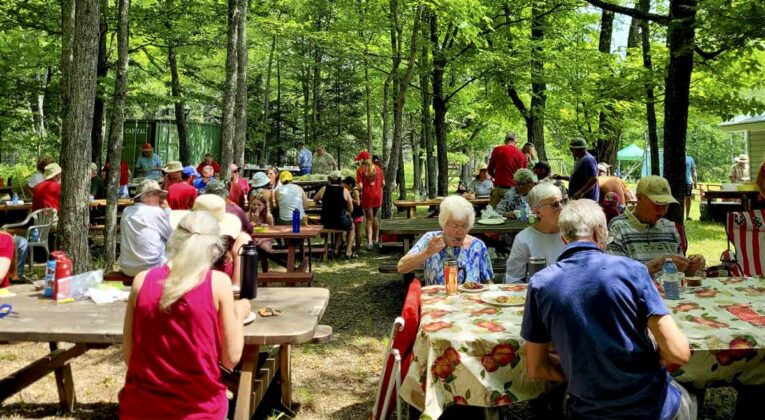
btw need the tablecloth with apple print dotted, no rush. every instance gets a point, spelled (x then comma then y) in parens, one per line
(470, 352)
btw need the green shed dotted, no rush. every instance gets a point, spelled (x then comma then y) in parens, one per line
(163, 136)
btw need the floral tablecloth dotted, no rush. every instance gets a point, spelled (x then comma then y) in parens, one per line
(470, 352)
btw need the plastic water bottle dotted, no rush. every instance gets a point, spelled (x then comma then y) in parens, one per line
(295, 221)
(524, 213)
(670, 279)
(15, 199)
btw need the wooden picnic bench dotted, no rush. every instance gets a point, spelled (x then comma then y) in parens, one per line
(90, 326)
(294, 241)
(408, 229)
(410, 206)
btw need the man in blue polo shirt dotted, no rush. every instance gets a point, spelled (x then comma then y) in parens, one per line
(596, 309)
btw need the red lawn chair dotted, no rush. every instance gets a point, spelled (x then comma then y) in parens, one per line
(746, 231)
(398, 356)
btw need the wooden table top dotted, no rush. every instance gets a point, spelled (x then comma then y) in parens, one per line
(478, 201)
(122, 202)
(43, 320)
(285, 232)
(730, 194)
(421, 226)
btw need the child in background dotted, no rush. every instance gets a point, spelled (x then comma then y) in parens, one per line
(357, 215)
(611, 206)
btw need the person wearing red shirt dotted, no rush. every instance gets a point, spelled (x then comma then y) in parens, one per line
(47, 194)
(504, 161)
(181, 195)
(239, 187)
(209, 160)
(124, 178)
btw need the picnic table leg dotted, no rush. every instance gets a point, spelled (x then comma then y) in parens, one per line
(244, 409)
(290, 255)
(411, 212)
(64, 383)
(406, 244)
(285, 374)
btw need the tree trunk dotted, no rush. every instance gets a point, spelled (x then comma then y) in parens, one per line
(536, 122)
(97, 132)
(266, 101)
(114, 152)
(650, 100)
(278, 102)
(400, 86)
(240, 139)
(75, 147)
(426, 139)
(439, 105)
(680, 40)
(633, 35)
(184, 147)
(608, 128)
(368, 101)
(416, 161)
(401, 177)
(229, 95)
(38, 107)
(68, 8)
(305, 72)
(316, 88)
(386, 121)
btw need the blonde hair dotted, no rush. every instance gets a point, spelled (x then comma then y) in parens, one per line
(456, 207)
(370, 167)
(191, 251)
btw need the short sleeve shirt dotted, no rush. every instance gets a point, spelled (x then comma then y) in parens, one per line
(690, 166)
(323, 164)
(510, 201)
(595, 308)
(585, 168)
(304, 158)
(181, 196)
(474, 261)
(147, 163)
(47, 194)
(481, 188)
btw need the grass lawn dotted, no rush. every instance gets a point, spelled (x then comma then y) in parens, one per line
(336, 380)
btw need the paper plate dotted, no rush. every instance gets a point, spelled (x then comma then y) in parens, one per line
(491, 221)
(503, 299)
(250, 318)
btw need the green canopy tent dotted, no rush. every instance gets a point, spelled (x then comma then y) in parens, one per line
(631, 153)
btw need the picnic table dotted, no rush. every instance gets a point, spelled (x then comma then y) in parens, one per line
(294, 241)
(408, 229)
(470, 352)
(410, 206)
(90, 326)
(746, 198)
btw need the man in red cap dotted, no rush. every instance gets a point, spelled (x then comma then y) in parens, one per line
(149, 165)
(504, 161)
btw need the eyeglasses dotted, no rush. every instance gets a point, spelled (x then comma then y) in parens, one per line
(555, 204)
(459, 227)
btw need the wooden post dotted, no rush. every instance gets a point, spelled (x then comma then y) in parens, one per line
(244, 408)
(285, 374)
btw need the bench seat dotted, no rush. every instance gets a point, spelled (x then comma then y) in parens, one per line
(282, 277)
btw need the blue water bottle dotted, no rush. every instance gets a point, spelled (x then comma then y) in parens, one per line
(295, 221)
(15, 199)
(524, 215)
(670, 279)
(50, 277)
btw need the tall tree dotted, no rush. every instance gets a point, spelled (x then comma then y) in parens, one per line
(439, 103)
(426, 131)
(179, 104)
(400, 84)
(608, 118)
(78, 122)
(240, 137)
(650, 97)
(114, 148)
(228, 129)
(266, 101)
(99, 105)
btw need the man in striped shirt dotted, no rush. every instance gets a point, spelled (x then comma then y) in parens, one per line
(644, 235)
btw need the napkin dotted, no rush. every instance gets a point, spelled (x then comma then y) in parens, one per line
(490, 213)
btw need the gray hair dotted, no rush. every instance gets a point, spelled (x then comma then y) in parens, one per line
(582, 219)
(524, 176)
(542, 191)
(456, 207)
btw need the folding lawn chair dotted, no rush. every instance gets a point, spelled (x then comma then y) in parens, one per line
(398, 356)
(746, 231)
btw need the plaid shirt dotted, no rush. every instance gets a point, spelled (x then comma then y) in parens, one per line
(629, 237)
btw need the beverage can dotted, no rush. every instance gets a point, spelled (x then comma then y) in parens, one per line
(50, 278)
(451, 272)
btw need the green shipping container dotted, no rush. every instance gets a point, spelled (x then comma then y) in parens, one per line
(163, 136)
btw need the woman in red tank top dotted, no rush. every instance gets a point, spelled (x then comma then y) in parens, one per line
(370, 180)
(181, 322)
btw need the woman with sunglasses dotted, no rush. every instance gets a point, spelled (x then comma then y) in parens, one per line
(542, 239)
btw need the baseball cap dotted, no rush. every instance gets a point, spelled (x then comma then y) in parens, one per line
(656, 189)
(190, 171)
(578, 143)
(285, 176)
(363, 155)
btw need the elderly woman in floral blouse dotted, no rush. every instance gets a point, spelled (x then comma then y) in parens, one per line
(456, 218)
(515, 197)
